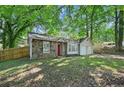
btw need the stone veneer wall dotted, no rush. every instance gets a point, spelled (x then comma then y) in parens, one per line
(37, 49)
(52, 50)
(63, 49)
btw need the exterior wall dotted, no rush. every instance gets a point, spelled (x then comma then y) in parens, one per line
(83, 48)
(52, 49)
(52, 52)
(86, 48)
(123, 43)
(37, 49)
(64, 49)
(75, 52)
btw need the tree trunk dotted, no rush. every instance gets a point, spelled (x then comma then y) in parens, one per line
(4, 37)
(121, 24)
(4, 40)
(10, 35)
(116, 28)
(7, 37)
(91, 24)
(91, 31)
(87, 32)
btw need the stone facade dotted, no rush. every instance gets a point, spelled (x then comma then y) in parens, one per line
(37, 49)
(64, 48)
(44, 46)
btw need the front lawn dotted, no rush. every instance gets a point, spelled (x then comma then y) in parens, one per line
(62, 72)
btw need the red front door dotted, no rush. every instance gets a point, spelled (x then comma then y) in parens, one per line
(59, 50)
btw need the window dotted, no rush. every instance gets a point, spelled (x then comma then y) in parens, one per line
(72, 48)
(46, 47)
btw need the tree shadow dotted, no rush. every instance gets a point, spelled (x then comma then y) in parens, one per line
(66, 72)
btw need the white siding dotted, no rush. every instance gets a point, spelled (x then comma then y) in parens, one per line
(83, 50)
(123, 43)
(86, 48)
(89, 50)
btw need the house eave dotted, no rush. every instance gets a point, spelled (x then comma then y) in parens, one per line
(49, 38)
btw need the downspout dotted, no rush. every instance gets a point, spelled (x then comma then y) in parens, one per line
(79, 48)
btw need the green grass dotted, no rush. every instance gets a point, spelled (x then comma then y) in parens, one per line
(64, 71)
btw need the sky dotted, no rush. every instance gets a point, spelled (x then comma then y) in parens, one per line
(64, 11)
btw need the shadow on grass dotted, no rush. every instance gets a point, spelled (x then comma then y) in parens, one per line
(61, 72)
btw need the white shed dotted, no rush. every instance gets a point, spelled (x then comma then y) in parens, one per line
(123, 43)
(86, 46)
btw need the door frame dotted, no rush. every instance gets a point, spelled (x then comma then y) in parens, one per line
(59, 50)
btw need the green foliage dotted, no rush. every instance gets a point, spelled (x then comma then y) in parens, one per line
(79, 19)
(96, 22)
(17, 21)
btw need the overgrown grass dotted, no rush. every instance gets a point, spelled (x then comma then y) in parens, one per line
(64, 71)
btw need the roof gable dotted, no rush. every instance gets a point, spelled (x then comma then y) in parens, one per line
(86, 41)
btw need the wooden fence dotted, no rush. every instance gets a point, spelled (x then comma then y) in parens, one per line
(14, 53)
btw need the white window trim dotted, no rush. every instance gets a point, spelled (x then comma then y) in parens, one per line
(70, 45)
(46, 48)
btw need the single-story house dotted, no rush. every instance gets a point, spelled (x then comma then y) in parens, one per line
(42, 46)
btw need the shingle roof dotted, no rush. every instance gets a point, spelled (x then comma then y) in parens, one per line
(86, 38)
(48, 38)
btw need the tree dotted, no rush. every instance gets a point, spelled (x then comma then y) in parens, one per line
(119, 23)
(89, 20)
(116, 27)
(96, 22)
(15, 21)
(121, 28)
